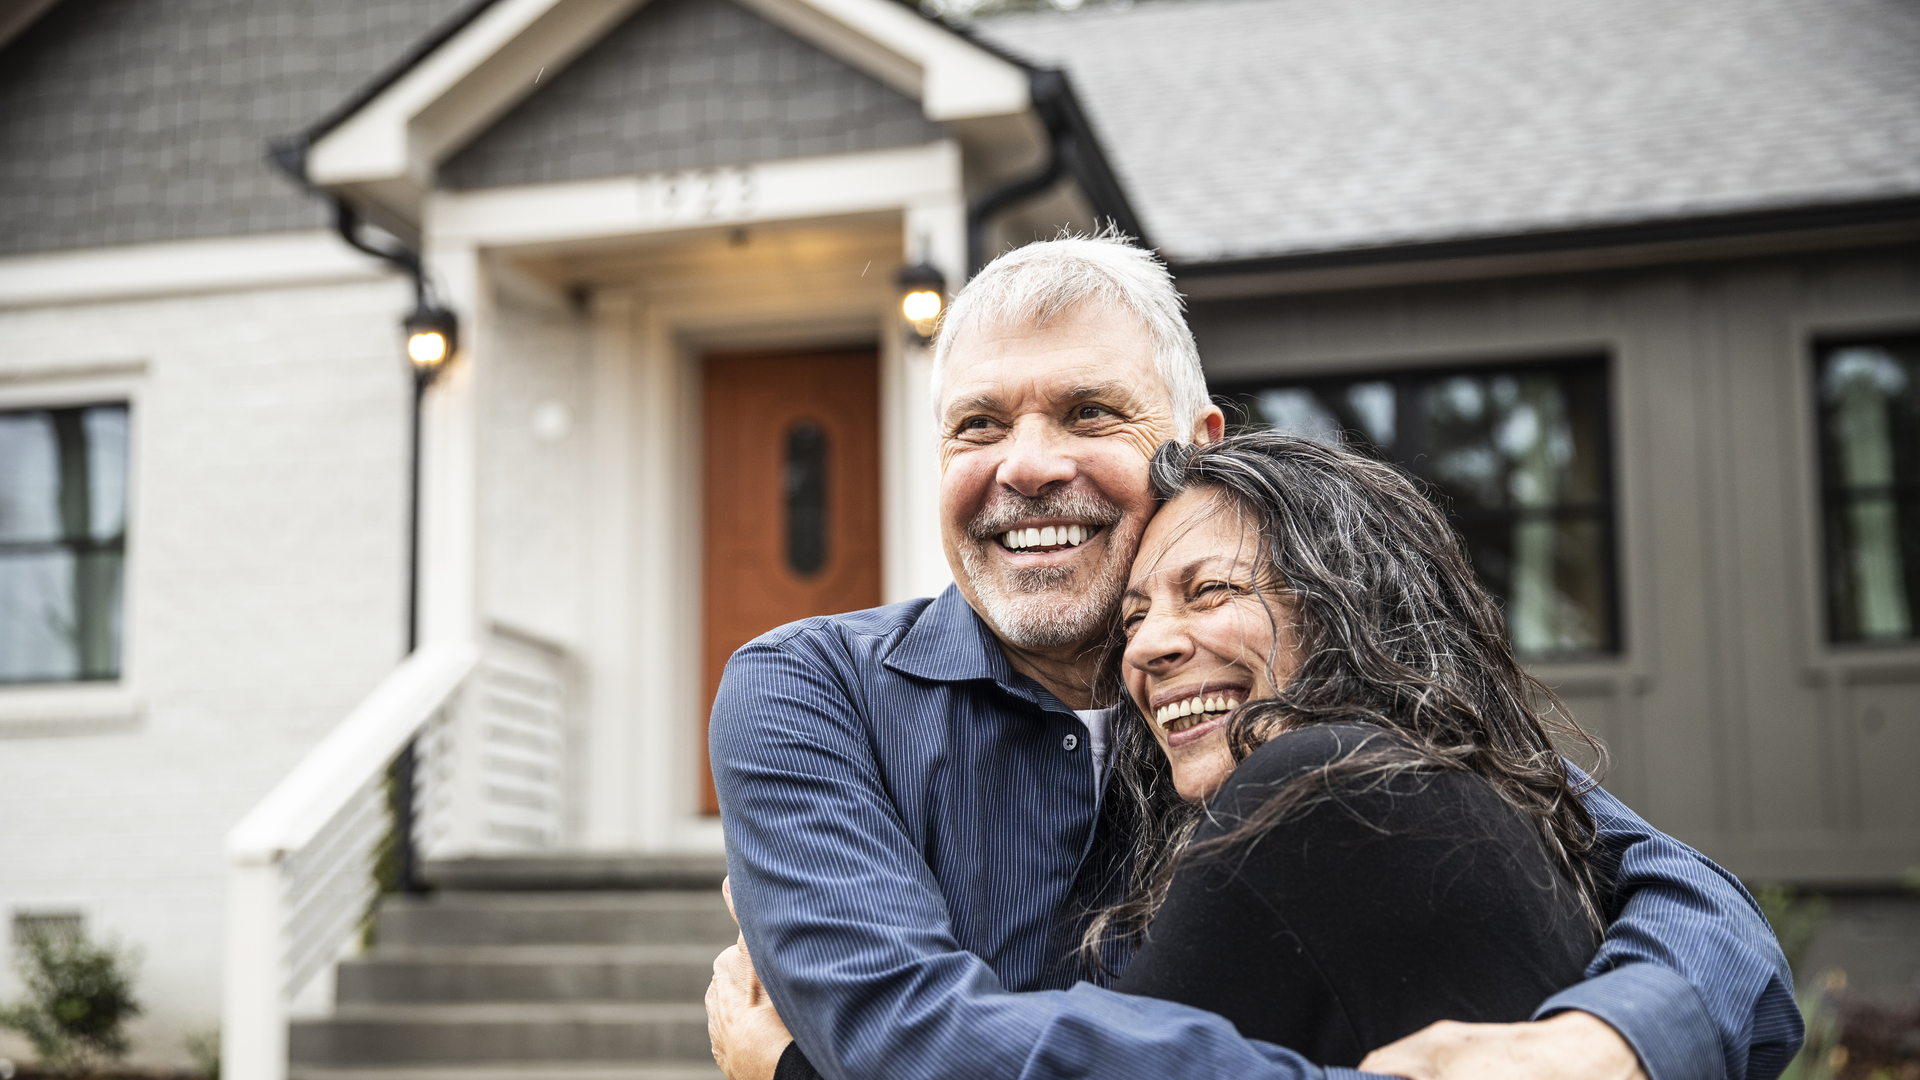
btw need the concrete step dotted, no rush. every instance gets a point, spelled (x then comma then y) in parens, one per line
(451, 1035)
(550, 873)
(476, 973)
(546, 1070)
(538, 1070)
(660, 917)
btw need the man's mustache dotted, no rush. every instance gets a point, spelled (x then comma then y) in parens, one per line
(1007, 507)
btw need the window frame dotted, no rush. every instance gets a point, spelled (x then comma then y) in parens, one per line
(1823, 496)
(37, 709)
(1608, 513)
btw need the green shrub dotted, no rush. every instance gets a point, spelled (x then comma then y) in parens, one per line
(1796, 919)
(78, 1001)
(204, 1048)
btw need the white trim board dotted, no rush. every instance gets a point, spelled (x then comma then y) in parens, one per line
(799, 188)
(276, 260)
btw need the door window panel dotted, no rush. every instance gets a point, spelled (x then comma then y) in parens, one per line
(63, 517)
(1519, 458)
(1869, 420)
(806, 478)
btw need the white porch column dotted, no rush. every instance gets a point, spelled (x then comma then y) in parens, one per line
(913, 563)
(449, 458)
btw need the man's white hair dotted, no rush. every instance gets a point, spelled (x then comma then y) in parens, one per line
(1030, 285)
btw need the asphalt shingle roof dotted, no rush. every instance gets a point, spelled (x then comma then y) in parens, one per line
(1246, 128)
(132, 121)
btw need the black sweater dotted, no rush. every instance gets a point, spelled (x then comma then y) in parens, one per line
(1366, 916)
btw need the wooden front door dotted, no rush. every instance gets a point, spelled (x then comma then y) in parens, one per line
(792, 497)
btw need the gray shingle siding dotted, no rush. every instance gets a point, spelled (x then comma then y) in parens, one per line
(132, 121)
(688, 84)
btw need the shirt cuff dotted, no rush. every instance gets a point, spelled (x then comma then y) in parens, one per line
(1659, 1014)
(793, 1065)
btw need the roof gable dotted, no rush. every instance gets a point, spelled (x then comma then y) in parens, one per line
(688, 84)
(386, 149)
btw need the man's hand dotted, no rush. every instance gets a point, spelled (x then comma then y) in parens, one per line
(747, 1034)
(1570, 1046)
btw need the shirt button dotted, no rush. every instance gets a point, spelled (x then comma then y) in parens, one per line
(1070, 743)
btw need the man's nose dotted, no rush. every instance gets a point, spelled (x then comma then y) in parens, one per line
(1034, 458)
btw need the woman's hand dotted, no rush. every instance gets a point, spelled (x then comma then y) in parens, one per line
(746, 1031)
(1570, 1046)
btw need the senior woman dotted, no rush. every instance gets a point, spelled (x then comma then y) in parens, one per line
(1348, 818)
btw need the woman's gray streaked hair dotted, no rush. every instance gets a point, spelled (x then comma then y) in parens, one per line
(1392, 628)
(1030, 285)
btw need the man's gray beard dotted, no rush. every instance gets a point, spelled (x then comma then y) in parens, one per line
(1036, 607)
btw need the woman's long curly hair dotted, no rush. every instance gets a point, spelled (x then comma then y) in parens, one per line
(1392, 628)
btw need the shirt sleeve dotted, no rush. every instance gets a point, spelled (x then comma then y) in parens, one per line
(1690, 973)
(851, 935)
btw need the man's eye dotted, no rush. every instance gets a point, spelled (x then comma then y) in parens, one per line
(976, 423)
(1091, 412)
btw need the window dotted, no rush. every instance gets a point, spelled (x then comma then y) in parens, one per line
(1869, 419)
(63, 524)
(1518, 456)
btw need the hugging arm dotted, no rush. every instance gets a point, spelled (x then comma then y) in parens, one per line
(852, 937)
(1690, 973)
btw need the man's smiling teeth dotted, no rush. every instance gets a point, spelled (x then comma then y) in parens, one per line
(1051, 536)
(1184, 714)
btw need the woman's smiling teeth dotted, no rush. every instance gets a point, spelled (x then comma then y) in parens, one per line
(1181, 715)
(1052, 536)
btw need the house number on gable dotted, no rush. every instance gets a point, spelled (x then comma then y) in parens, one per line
(705, 194)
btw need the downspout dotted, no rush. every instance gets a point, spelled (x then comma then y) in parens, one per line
(346, 221)
(289, 155)
(291, 158)
(1046, 87)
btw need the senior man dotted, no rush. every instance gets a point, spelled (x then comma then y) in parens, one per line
(911, 793)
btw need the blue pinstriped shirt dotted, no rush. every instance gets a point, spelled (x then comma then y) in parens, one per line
(909, 825)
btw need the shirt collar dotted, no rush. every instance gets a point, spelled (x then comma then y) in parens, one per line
(951, 643)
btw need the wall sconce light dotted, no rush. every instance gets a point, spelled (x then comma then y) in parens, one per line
(923, 296)
(432, 335)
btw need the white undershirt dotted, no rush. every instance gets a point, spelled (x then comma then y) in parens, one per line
(1099, 723)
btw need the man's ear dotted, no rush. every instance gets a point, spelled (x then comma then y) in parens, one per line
(1211, 427)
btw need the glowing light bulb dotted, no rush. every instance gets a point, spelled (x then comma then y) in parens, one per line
(921, 306)
(427, 347)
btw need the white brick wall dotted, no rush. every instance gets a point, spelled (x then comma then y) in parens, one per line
(267, 597)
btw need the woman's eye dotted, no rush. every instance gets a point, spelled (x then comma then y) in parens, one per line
(1213, 589)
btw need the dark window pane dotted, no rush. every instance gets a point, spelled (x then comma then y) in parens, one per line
(1517, 455)
(63, 500)
(806, 499)
(1870, 472)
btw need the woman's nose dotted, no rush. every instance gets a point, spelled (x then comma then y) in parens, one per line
(1034, 459)
(1159, 645)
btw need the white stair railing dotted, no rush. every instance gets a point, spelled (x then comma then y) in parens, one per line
(491, 771)
(301, 862)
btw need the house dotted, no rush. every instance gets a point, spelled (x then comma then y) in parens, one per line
(1633, 286)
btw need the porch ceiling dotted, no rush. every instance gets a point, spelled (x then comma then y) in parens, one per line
(852, 255)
